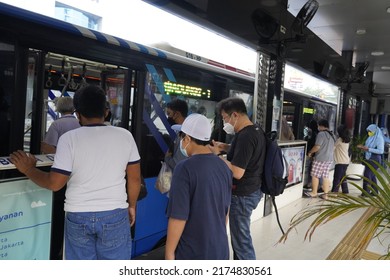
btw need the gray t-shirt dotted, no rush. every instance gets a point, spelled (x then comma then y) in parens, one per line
(326, 141)
(59, 127)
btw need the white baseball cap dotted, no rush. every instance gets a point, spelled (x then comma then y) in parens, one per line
(176, 127)
(197, 126)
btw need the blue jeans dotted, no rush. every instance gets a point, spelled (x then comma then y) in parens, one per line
(239, 220)
(101, 235)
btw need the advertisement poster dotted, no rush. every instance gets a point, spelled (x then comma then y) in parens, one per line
(25, 221)
(295, 158)
(350, 118)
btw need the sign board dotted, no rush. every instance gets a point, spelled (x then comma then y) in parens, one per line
(25, 216)
(25, 221)
(304, 83)
(42, 160)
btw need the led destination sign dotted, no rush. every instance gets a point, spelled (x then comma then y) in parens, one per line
(186, 90)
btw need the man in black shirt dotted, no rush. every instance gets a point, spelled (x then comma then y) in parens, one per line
(245, 157)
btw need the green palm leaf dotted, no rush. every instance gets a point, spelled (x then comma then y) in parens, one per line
(340, 204)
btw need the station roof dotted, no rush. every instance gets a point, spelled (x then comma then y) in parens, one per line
(345, 59)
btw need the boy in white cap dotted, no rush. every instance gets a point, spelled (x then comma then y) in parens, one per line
(199, 198)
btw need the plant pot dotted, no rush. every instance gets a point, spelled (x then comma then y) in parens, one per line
(353, 170)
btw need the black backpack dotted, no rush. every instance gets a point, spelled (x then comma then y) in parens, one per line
(274, 179)
(274, 173)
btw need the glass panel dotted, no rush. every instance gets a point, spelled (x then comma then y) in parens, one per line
(131, 103)
(168, 85)
(114, 90)
(7, 59)
(201, 91)
(29, 103)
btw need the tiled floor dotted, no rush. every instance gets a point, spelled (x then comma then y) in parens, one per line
(266, 233)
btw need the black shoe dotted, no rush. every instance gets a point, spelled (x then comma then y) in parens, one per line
(320, 190)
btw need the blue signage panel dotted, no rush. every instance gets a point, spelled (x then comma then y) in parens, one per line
(25, 221)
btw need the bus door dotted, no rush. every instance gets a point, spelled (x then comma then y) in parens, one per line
(125, 93)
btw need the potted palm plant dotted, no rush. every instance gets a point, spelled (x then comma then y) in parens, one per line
(378, 218)
(357, 156)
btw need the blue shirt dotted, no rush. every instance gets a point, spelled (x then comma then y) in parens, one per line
(200, 194)
(375, 143)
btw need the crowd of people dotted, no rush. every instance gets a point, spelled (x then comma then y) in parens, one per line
(215, 186)
(99, 207)
(324, 150)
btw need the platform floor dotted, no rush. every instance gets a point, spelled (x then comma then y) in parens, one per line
(266, 233)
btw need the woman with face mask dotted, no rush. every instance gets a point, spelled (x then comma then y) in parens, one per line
(373, 148)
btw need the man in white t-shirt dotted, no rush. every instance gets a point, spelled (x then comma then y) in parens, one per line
(96, 162)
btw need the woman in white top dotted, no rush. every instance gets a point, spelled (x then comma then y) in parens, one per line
(341, 159)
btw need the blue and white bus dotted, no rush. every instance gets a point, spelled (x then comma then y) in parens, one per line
(42, 58)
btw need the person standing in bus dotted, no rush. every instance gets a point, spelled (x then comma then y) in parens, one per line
(245, 158)
(177, 111)
(373, 151)
(341, 158)
(99, 212)
(199, 198)
(66, 122)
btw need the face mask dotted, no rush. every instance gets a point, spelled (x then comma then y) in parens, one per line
(370, 133)
(183, 150)
(228, 128)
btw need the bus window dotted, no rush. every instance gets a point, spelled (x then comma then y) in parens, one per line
(116, 82)
(7, 57)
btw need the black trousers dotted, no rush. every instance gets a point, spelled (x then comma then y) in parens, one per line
(339, 173)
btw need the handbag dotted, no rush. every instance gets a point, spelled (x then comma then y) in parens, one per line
(163, 182)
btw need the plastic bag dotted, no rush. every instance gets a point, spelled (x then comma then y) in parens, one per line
(163, 182)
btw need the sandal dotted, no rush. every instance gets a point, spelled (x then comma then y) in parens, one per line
(324, 196)
(309, 195)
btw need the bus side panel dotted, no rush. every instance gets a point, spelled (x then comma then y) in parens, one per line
(151, 222)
